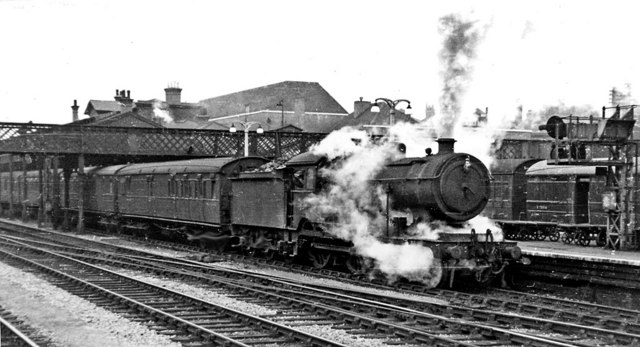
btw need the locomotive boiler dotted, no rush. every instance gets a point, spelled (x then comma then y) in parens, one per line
(449, 186)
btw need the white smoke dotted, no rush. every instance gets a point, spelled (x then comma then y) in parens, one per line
(160, 113)
(460, 39)
(358, 207)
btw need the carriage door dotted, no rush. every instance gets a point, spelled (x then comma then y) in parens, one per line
(519, 193)
(581, 200)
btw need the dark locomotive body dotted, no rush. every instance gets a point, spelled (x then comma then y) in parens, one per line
(536, 201)
(260, 208)
(532, 200)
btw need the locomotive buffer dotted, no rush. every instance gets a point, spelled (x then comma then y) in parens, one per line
(606, 141)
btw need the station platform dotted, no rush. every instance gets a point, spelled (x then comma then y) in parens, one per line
(558, 249)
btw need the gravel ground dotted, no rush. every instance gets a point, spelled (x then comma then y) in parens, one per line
(207, 294)
(114, 240)
(67, 319)
(304, 279)
(73, 328)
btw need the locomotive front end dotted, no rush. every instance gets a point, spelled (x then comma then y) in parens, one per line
(444, 191)
(447, 186)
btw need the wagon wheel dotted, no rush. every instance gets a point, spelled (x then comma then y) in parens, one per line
(554, 235)
(270, 254)
(530, 235)
(319, 258)
(567, 237)
(601, 239)
(439, 275)
(523, 234)
(483, 275)
(355, 264)
(248, 251)
(539, 235)
(583, 238)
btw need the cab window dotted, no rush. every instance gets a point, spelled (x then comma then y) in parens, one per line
(299, 179)
(310, 182)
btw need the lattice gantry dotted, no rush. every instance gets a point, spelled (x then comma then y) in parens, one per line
(20, 138)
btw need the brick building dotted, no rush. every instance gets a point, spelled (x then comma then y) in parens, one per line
(124, 111)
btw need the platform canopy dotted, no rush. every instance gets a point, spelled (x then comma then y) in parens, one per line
(113, 144)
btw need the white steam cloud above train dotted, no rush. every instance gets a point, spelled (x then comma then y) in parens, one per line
(357, 203)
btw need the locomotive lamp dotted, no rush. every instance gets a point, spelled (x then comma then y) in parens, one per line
(392, 105)
(246, 126)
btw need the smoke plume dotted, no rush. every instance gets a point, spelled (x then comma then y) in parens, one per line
(458, 52)
(160, 113)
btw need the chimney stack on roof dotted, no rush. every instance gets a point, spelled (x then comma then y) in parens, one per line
(124, 97)
(360, 107)
(74, 110)
(173, 94)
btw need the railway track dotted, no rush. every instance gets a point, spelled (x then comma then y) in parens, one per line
(16, 333)
(577, 321)
(421, 314)
(186, 319)
(293, 308)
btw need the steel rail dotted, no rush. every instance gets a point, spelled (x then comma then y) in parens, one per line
(186, 325)
(7, 328)
(620, 336)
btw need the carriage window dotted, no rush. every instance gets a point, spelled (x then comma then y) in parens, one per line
(173, 186)
(123, 185)
(199, 192)
(213, 189)
(150, 185)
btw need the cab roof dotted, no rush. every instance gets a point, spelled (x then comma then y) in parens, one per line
(305, 159)
(541, 168)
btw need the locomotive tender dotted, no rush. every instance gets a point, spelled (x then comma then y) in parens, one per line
(253, 205)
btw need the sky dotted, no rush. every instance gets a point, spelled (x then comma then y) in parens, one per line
(530, 53)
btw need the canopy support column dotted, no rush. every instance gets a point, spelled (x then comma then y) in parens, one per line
(81, 189)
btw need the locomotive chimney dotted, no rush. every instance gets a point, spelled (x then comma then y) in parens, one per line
(445, 145)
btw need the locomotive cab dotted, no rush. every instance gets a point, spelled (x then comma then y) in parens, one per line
(303, 173)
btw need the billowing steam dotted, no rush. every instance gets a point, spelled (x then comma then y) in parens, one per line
(358, 207)
(161, 113)
(458, 52)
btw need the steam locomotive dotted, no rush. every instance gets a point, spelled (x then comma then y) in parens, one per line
(259, 207)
